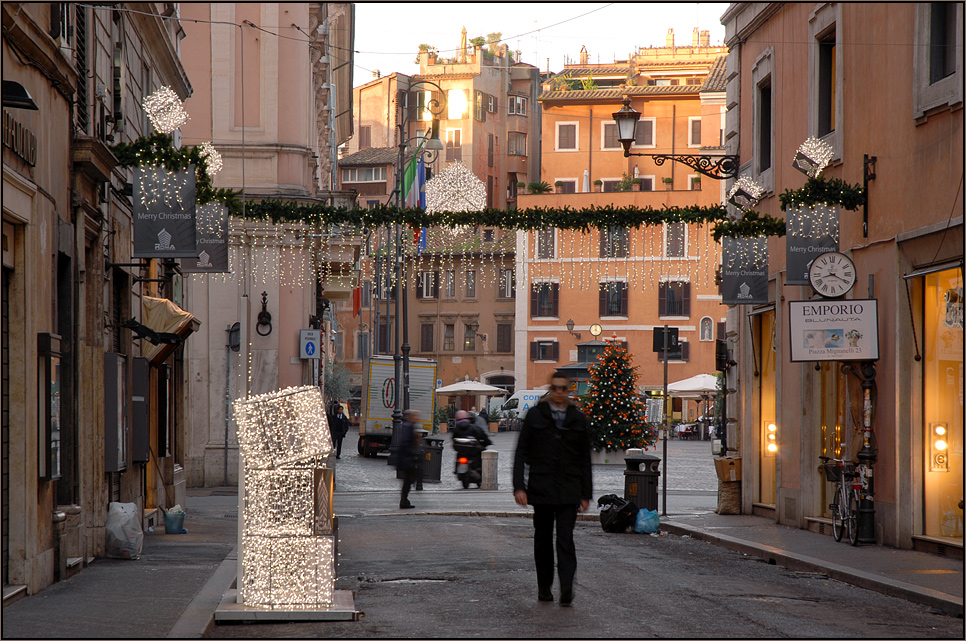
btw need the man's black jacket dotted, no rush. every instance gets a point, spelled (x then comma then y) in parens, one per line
(559, 459)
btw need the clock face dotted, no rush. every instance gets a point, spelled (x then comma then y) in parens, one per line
(596, 329)
(832, 274)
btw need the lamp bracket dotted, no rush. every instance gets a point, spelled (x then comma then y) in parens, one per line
(717, 167)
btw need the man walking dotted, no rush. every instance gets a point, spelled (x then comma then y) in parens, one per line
(555, 444)
(338, 428)
(407, 455)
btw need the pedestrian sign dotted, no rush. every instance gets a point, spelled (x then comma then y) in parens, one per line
(310, 341)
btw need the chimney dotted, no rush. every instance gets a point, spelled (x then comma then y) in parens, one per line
(376, 73)
(694, 37)
(669, 41)
(705, 38)
(583, 55)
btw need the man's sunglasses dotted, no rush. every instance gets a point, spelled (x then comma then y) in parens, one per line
(560, 388)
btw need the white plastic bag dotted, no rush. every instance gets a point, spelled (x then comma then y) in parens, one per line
(124, 536)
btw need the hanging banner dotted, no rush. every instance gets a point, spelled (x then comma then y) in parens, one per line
(744, 271)
(212, 227)
(828, 329)
(164, 213)
(809, 232)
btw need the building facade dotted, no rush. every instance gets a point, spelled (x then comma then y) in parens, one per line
(883, 85)
(460, 289)
(629, 282)
(276, 109)
(72, 440)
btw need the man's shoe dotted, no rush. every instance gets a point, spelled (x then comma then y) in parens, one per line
(406, 505)
(566, 597)
(544, 595)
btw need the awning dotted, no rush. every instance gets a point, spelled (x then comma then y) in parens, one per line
(164, 326)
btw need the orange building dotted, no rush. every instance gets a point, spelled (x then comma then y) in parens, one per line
(627, 281)
(460, 308)
(882, 84)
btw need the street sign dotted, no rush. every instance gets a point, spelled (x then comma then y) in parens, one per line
(310, 341)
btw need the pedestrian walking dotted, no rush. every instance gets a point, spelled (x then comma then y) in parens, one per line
(338, 428)
(554, 443)
(407, 455)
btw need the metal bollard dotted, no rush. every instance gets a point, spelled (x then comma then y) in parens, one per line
(490, 459)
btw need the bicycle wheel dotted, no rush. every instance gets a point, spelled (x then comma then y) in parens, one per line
(839, 512)
(853, 517)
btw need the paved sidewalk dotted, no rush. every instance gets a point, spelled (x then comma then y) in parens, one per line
(174, 588)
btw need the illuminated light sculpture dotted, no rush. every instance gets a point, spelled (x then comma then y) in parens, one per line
(813, 156)
(745, 193)
(455, 188)
(165, 110)
(286, 533)
(213, 161)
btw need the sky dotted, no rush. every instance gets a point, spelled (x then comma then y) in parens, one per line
(388, 35)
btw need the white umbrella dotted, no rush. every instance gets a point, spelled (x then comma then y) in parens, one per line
(468, 388)
(694, 388)
(586, 189)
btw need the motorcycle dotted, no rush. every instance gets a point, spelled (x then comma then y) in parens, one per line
(469, 460)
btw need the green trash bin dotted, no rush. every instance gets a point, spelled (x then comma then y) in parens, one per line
(640, 480)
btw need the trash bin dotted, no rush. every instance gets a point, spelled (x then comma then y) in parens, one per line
(173, 522)
(640, 480)
(433, 459)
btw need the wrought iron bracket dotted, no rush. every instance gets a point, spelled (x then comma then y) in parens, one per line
(717, 167)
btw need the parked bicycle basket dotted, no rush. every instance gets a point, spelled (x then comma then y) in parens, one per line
(833, 472)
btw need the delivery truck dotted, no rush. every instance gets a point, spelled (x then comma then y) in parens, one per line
(379, 400)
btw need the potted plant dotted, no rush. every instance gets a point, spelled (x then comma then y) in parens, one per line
(636, 182)
(696, 181)
(668, 183)
(521, 187)
(539, 187)
(558, 186)
(598, 184)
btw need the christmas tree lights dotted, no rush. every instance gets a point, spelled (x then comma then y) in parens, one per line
(612, 404)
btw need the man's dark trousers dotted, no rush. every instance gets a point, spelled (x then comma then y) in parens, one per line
(544, 518)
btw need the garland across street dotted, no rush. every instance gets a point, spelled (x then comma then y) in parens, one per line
(158, 150)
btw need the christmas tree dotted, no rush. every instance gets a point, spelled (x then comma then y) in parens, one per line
(612, 405)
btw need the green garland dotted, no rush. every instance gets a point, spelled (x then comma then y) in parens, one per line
(158, 150)
(817, 191)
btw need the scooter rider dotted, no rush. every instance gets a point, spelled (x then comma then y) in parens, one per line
(465, 428)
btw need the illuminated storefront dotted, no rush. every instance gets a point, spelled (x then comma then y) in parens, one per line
(942, 444)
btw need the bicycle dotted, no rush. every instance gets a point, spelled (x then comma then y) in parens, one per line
(845, 508)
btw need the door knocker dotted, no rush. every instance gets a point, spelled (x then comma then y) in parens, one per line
(264, 318)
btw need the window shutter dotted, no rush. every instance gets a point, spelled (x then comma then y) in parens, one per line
(554, 289)
(603, 242)
(686, 298)
(534, 301)
(685, 350)
(624, 345)
(534, 350)
(420, 282)
(555, 351)
(436, 284)
(662, 299)
(623, 287)
(722, 331)
(602, 307)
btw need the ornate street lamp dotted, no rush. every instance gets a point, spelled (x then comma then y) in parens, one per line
(714, 166)
(428, 149)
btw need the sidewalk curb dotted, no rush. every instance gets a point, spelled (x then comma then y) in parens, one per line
(798, 562)
(198, 618)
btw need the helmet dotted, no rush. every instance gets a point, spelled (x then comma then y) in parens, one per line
(462, 415)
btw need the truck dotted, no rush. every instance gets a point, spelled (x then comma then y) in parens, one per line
(379, 400)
